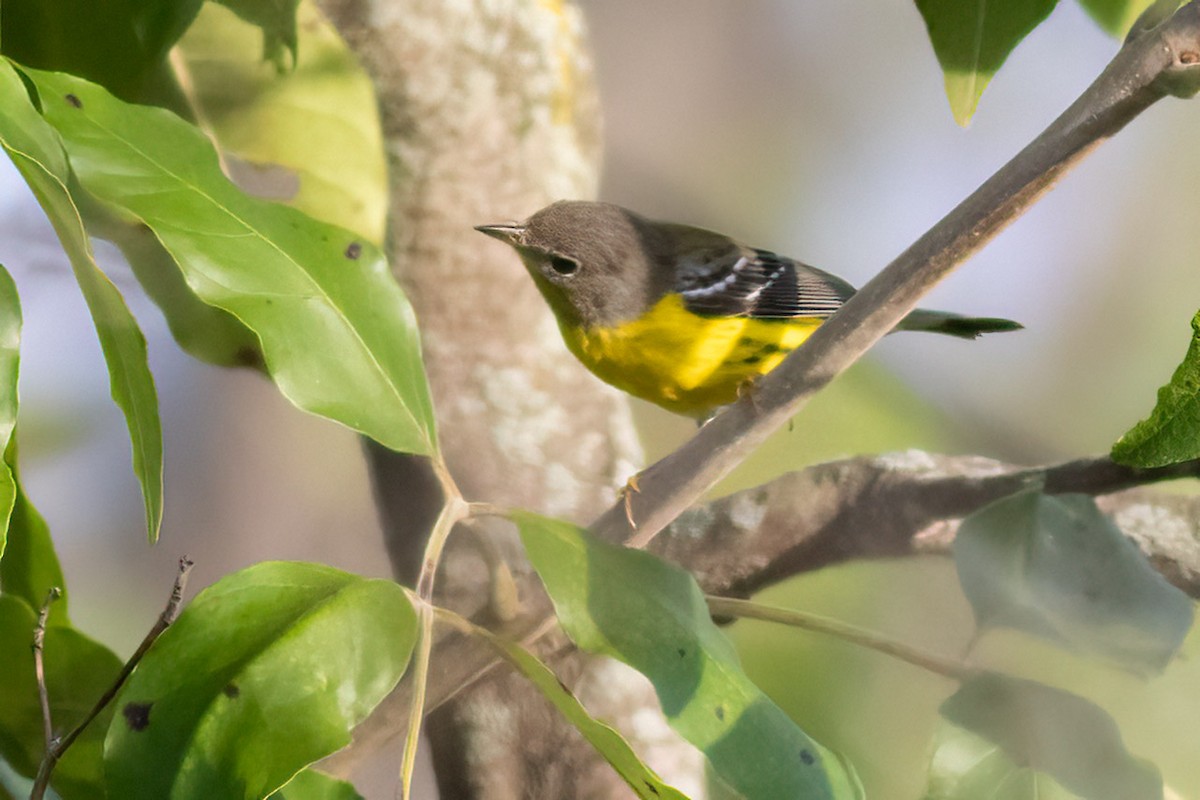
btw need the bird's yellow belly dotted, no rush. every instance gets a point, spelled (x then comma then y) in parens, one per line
(684, 362)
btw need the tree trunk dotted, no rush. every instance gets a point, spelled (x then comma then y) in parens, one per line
(489, 113)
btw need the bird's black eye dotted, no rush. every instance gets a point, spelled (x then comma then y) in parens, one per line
(563, 265)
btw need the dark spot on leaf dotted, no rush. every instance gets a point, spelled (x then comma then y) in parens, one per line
(682, 652)
(807, 758)
(720, 712)
(137, 715)
(649, 787)
(74, 101)
(248, 357)
(353, 250)
(231, 690)
(754, 359)
(770, 349)
(747, 341)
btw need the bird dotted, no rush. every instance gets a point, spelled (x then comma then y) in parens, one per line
(680, 316)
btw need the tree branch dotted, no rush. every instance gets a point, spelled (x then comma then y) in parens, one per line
(1161, 61)
(1158, 62)
(489, 113)
(900, 505)
(862, 508)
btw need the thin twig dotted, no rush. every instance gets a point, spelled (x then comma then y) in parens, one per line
(39, 665)
(168, 615)
(746, 609)
(855, 509)
(887, 506)
(1130, 84)
(1142, 72)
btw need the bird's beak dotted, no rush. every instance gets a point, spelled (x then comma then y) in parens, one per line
(509, 233)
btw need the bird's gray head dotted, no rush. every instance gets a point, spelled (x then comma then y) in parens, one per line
(590, 260)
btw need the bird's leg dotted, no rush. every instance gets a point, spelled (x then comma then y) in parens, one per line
(746, 389)
(625, 494)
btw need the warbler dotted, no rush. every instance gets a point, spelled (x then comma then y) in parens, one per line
(681, 316)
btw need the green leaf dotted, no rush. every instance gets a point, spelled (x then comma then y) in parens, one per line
(14, 786)
(120, 44)
(608, 743)
(338, 335)
(30, 568)
(78, 671)
(972, 38)
(37, 153)
(652, 616)
(277, 19)
(1058, 568)
(965, 766)
(1051, 731)
(205, 332)
(313, 133)
(10, 359)
(1172, 432)
(266, 671)
(1117, 16)
(313, 785)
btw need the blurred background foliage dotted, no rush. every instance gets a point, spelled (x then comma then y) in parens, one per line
(817, 130)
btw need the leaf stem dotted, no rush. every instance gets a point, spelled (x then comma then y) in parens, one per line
(453, 511)
(488, 510)
(55, 751)
(746, 609)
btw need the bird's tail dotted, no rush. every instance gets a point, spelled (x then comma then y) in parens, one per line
(955, 324)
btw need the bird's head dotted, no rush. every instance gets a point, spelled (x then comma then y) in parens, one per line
(590, 260)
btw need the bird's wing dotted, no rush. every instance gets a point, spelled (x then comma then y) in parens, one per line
(745, 282)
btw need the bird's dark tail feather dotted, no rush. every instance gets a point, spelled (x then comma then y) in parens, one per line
(955, 324)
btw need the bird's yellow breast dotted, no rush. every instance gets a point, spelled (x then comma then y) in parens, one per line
(685, 362)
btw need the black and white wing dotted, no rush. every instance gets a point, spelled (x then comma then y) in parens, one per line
(758, 283)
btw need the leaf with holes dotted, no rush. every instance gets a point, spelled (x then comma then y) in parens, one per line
(338, 335)
(310, 138)
(78, 671)
(266, 671)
